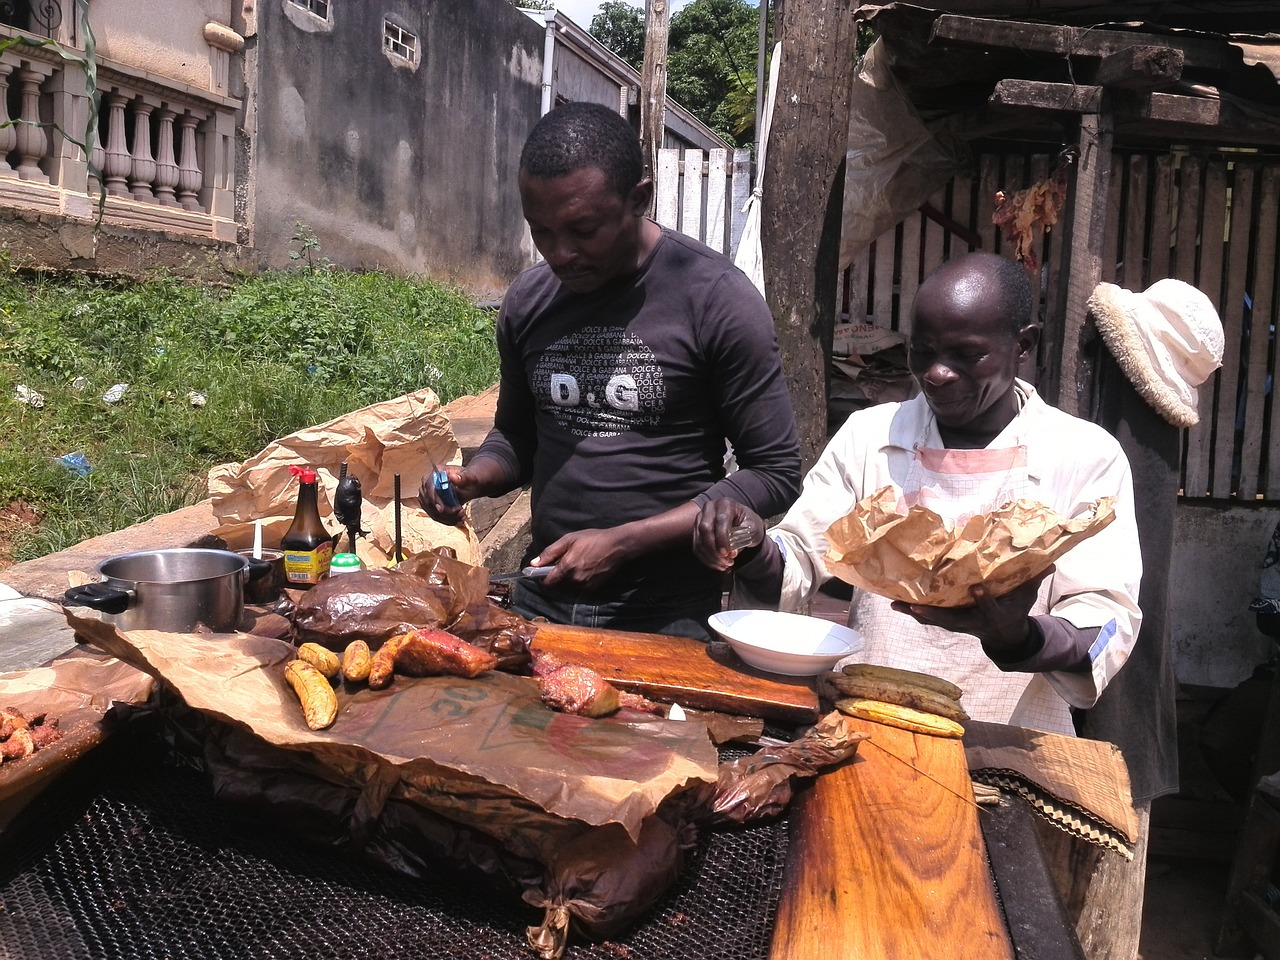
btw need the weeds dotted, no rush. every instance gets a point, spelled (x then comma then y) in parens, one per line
(272, 354)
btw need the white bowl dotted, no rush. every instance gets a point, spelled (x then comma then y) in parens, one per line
(785, 643)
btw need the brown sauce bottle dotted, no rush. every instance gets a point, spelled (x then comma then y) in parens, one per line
(307, 546)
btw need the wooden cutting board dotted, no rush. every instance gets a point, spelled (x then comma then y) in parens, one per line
(887, 862)
(678, 670)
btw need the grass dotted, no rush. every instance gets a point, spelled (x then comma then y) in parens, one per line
(271, 354)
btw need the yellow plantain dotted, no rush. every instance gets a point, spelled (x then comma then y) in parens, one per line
(894, 675)
(322, 658)
(905, 718)
(319, 702)
(904, 694)
(355, 662)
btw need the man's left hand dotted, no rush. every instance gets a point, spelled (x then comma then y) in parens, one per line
(585, 559)
(1003, 624)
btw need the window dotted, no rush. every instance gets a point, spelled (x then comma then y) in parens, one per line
(399, 41)
(319, 7)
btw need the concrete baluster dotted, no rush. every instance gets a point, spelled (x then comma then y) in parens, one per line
(8, 134)
(190, 179)
(117, 163)
(166, 164)
(33, 142)
(142, 171)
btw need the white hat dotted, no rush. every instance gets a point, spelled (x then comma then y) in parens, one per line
(1167, 340)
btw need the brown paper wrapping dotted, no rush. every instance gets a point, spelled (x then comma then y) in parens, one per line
(403, 436)
(919, 557)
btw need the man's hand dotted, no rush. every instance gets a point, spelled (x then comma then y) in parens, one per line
(714, 540)
(1003, 624)
(584, 559)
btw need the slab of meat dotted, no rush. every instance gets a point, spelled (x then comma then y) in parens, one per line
(578, 690)
(22, 736)
(426, 653)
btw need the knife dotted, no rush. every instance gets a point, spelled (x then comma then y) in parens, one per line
(528, 573)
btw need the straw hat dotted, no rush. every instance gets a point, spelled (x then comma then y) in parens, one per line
(1168, 340)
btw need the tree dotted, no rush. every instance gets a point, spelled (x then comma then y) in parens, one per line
(620, 27)
(534, 4)
(711, 61)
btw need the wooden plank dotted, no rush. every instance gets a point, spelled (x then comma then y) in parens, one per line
(1043, 95)
(1140, 67)
(882, 293)
(1188, 225)
(1076, 41)
(691, 208)
(1086, 219)
(742, 184)
(961, 212)
(1133, 256)
(1232, 314)
(856, 278)
(1111, 238)
(1037, 920)
(717, 186)
(1252, 482)
(1176, 108)
(887, 859)
(909, 270)
(1161, 244)
(667, 189)
(678, 670)
(1209, 279)
(988, 184)
(934, 237)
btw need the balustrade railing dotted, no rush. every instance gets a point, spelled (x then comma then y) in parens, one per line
(162, 154)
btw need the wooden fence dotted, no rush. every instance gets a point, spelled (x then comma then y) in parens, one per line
(1208, 219)
(703, 198)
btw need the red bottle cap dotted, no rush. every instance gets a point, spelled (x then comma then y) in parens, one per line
(304, 474)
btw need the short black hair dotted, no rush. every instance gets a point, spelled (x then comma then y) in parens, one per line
(993, 275)
(577, 135)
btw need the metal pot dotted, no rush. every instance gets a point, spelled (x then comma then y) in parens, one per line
(171, 590)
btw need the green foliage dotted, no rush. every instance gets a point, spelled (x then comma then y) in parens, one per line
(620, 27)
(272, 354)
(711, 53)
(534, 4)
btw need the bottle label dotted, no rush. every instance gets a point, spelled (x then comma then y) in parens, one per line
(307, 566)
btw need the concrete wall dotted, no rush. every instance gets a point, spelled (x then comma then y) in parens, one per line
(1215, 566)
(410, 169)
(164, 39)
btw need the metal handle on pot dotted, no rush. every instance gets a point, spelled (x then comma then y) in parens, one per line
(258, 568)
(100, 597)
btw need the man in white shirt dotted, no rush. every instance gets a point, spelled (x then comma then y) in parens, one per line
(975, 438)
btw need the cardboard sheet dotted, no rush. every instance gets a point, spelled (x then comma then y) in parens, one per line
(1080, 785)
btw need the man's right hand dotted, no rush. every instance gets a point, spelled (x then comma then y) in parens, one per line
(714, 540)
(430, 500)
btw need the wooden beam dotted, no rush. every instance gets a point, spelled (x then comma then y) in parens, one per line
(1140, 68)
(1041, 95)
(802, 207)
(653, 83)
(1070, 371)
(1200, 111)
(1077, 41)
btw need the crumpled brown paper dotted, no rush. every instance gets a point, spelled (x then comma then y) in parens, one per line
(403, 436)
(921, 558)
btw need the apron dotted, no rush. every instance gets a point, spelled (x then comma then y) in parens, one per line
(958, 484)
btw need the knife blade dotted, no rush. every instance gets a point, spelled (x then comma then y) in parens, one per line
(528, 573)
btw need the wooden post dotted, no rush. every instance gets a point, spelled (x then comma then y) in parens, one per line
(1069, 377)
(803, 198)
(653, 82)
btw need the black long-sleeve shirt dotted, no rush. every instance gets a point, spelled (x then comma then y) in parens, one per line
(616, 404)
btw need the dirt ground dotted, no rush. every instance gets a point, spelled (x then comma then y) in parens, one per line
(13, 517)
(1183, 908)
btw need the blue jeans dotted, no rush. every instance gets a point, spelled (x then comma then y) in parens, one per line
(687, 617)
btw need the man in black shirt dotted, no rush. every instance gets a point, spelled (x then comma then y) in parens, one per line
(628, 358)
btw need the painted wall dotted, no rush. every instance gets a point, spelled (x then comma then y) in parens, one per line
(407, 168)
(170, 44)
(1215, 575)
